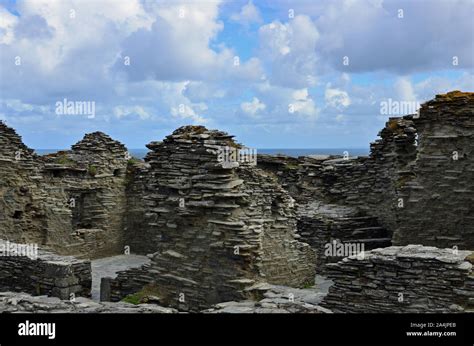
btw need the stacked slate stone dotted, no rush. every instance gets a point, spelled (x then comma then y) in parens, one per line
(72, 202)
(12, 302)
(336, 231)
(389, 169)
(439, 198)
(21, 216)
(333, 194)
(413, 278)
(287, 171)
(214, 228)
(101, 154)
(98, 194)
(43, 273)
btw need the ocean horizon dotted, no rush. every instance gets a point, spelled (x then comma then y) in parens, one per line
(140, 153)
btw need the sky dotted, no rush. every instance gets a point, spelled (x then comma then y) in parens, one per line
(274, 73)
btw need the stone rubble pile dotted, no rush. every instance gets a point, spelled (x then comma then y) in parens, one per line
(12, 302)
(266, 298)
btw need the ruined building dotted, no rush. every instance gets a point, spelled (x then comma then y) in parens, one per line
(213, 230)
(72, 202)
(415, 187)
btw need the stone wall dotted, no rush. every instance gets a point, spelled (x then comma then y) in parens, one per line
(43, 273)
(22, 216)
(413, 278)
(86, 186)
(72, 202)
(336, 231)
(213, 229)
(439, 193)
(416, 186)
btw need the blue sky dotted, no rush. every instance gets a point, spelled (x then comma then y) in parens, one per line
(290, 88)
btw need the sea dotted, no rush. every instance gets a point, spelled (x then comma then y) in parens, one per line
(140, 153)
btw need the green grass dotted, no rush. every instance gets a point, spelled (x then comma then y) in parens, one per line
(291, 166)
(133, 160)
(92, 170)
(64, 160)
(141, 296)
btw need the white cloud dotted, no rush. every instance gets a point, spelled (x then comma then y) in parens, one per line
(430, 86)
(374, 38)
(404, 89)
(249, 13)
(201, 91)
(7, 24)
(186, 112)
(336, 98)
(290, 50)
(253, 107)
(125, 111)
(302, 104)
(186, 29)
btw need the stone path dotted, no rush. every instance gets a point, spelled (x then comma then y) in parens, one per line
(109, 266)
(271, 298)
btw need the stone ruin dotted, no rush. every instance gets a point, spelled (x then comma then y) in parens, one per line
(415, 187)
(72, 202)
(43, 273)
(213, 229)
(214, 232)
(210, 229)
(413, 278)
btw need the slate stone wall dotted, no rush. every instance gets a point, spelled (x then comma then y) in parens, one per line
(72, 202)
(413, 278)
(213, 229)
(44, 273)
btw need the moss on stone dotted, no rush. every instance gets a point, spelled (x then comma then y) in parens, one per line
(142, 296)
(470, 258)
(92, 170)
(291, 166)
(64, 160)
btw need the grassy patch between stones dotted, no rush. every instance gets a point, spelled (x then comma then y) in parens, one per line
(147, 293)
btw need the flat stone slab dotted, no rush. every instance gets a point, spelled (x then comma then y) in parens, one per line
(109, 266)
(12, 302)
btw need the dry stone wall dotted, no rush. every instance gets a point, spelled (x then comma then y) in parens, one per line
(438, 194)
(214, 229)
(336, 231)
(22, 216)
(72, 202)
(43, 273)
(416, 186)
(413, 278)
